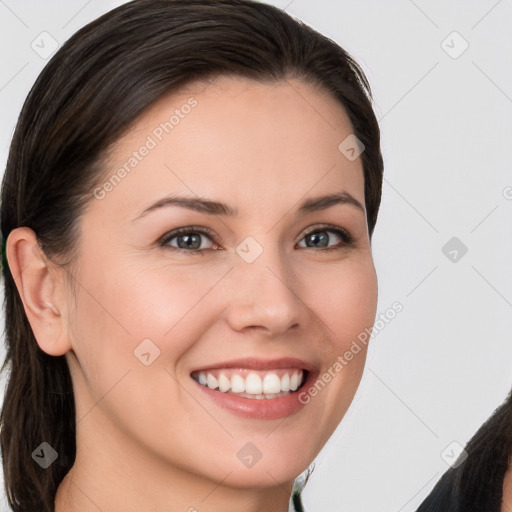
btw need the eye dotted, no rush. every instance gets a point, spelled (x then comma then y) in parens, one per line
(319, 238)
(189, 239)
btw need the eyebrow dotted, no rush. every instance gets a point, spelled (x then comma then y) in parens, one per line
(217, 208)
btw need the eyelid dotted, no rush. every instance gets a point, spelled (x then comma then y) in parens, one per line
(328, 227)
(343, 233)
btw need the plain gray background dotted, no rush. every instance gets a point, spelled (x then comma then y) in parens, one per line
(440, 368)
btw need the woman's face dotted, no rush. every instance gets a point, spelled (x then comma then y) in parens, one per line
(266, 281)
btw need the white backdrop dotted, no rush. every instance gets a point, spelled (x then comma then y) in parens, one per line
(441, 72)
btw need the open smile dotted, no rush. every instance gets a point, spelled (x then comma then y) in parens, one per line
(255, 388)
(255, 384)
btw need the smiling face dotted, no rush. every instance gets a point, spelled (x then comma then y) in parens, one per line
(267, 284)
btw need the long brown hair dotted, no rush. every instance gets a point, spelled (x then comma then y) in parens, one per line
(90, 92)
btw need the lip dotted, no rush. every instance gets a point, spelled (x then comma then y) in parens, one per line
(264, 409)
(254, 363)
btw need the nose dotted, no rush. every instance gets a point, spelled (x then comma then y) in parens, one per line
(264, 295)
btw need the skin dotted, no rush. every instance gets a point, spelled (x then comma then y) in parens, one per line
(147, 436)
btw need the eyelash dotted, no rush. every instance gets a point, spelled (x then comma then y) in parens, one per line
(347, 238)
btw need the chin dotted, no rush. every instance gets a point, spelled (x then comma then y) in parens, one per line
(264, 476)
(266, 466)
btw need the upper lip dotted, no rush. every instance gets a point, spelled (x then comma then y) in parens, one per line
(254, 363)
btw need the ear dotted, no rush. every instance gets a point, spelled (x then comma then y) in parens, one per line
(40, 285)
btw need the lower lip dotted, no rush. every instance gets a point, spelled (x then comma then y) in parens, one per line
(264, 409)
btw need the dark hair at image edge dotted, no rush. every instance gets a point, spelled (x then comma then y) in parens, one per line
(476, 485)
(90, 92)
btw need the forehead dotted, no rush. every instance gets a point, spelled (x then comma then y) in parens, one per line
(237, 138)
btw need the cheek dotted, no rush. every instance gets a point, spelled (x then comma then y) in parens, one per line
(119, 309)
(116, 313)
(345, 298)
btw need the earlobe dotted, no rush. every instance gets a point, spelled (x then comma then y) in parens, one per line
(38, 284)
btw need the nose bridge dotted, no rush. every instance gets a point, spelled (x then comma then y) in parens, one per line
(262, 292)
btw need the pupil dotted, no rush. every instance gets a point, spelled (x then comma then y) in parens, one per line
(319, 237)
(190, 241)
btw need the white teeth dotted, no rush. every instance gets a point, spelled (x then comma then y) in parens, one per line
(294, 381)
(285, 383)
(271, 383)
(237, 384)
(224, 383)
(211, 381)
(253, 386)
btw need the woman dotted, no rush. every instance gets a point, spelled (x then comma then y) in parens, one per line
(187, 213)
(481, 481)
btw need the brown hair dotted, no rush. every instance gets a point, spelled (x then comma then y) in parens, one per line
(93, 88)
